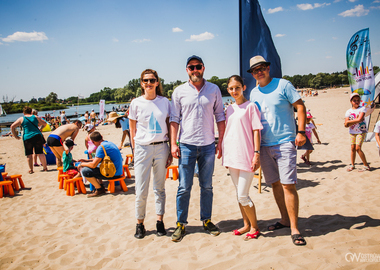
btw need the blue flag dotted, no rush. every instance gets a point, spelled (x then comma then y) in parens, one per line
(255, 39)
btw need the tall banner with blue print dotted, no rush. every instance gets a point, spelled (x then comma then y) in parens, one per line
(360, 69)
(255, 39)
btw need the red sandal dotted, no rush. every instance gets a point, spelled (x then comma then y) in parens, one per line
(250, 236)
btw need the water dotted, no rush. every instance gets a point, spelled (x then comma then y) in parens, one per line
(81, 109)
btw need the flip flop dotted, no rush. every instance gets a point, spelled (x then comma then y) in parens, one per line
(236, 232)
(250, 236)
(30, 172)
(277, 226)
(298, 237)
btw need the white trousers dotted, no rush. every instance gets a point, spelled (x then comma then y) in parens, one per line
(147, 157)
(242, 181)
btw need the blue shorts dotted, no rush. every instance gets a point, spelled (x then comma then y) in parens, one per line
(279, 162)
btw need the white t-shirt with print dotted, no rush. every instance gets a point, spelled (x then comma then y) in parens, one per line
(151, 118)
(377, 130)
(353, 114)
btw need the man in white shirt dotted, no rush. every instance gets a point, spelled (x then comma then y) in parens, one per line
(194, 106)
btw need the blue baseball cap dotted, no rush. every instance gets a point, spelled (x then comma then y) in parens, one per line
(194, 57)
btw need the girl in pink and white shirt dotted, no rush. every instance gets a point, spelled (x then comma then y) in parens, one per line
(241, 151)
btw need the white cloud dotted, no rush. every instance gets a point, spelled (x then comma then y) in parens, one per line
(328, 57)
(311, 6)
(201, 37)
(376, 1)
(352, 1)
(378, 7)
(176, 30)
(310, 40)
(305, 6)
(355, 12)
(334, 38)
(25, 37)
(336, 1)
(115, 40)
(274, 10)
(141, 40)
(280, 35)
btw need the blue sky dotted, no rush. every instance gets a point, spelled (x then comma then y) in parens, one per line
(79, 47)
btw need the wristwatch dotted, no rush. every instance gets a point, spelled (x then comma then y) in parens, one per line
(258, 152)
(301, 132)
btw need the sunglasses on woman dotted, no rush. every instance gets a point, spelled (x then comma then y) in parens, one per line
(149, 80)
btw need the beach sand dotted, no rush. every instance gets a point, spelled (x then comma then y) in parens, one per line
(42, 228)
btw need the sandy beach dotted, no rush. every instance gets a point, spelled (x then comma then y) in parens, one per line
(42, 228)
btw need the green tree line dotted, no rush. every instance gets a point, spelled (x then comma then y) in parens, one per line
(133, 89)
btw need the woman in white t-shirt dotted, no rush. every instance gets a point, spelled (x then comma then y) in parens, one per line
(149, 127)
(358, 130)
(241, 152)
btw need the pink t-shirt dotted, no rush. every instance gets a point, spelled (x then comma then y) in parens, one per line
(238, 144)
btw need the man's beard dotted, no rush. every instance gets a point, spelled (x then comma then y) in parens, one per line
(196, 78)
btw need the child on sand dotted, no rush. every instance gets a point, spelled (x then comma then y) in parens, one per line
(309, 130)
(358, 130)
(241, 152)
(68, 161)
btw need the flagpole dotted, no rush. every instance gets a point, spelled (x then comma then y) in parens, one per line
(240, 40)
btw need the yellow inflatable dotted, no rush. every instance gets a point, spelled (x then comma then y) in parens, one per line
(46, 128)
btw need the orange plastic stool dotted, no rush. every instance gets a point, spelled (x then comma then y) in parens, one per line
(174, 169)
(4, 174)
(60, 171)
(14, 179)
(127, 157)
(7, 188)
(126, 170)
(70, 188)
(111, 184)
(62, 180)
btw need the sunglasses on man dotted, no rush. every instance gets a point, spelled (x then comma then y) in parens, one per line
(192, 67)
(259, 69)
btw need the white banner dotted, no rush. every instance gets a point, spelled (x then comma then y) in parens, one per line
(102, 104)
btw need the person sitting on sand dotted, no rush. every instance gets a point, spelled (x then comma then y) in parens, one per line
(90, 169)
(56, 138)
(68, 161)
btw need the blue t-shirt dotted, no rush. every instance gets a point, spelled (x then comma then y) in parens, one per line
(277, 115)
(124, 122)
(114, 153)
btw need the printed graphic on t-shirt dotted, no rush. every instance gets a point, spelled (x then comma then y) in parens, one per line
(266, 115)
(359, 127)
(154, 126)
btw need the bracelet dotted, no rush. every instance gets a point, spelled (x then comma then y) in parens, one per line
(257, 152)
(301, 132)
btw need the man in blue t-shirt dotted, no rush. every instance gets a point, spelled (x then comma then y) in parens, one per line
(276, 99)
(90, 168)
